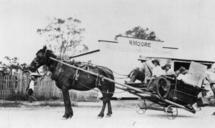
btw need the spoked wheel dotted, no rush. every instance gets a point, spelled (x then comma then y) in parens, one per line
(171, 111)
(163, 87)
(141, 108)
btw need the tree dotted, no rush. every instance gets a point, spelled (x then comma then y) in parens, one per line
(12, 62)
(61, 34)
(140, 33)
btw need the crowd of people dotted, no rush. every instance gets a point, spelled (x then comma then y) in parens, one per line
(150, 68)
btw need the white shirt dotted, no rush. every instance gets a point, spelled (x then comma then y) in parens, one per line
(157, 71)
(31, 86)
(210, 76)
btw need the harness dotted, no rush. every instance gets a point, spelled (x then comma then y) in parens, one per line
(76, 76)
(98, 81)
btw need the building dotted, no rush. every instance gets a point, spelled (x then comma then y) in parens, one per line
(121, 55)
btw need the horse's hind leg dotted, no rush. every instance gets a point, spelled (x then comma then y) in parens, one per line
(67, 104)
(101, 114)
(109, 113)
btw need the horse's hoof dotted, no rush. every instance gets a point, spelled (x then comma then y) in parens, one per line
(108, 115)
(67, 116)
(100, 115)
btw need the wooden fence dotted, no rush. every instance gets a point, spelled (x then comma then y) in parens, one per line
(46, 88)
(12, 85)
(15, 86)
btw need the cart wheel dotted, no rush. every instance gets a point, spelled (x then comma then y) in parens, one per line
(171, 111)
(163, 87)
(141, 108)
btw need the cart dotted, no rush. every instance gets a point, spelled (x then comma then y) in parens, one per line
(168, 93)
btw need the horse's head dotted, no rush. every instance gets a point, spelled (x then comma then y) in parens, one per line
(42, 58)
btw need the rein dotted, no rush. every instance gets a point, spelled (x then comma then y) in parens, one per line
(75, 67)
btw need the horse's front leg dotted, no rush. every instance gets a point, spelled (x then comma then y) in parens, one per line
(67, 104)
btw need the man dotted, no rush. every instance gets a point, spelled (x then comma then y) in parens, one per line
(167, 69)
(143, 72)
(31, 85)
(30, 89)
(210, 78)
(182, 70)
(157, 71)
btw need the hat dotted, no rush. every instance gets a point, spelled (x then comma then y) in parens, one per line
(166, 65)
(35, 74)
(182, 70)
(156, 61)
(142, 58)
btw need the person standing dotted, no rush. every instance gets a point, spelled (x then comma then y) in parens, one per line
(210, 79)
(30, 89)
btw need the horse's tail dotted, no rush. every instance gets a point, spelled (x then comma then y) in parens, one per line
(111, 85)
(109, 74)
(111, 88)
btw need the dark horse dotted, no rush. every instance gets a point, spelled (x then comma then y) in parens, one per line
(67, 78)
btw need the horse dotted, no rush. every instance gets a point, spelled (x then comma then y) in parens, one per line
(67, 78)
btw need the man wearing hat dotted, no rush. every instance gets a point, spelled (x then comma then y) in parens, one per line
(167, 69)
(143, 72)
(157, 71)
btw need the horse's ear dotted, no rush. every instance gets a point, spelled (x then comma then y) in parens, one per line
(44, 47)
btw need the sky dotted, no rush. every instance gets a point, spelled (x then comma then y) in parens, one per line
(187, 24)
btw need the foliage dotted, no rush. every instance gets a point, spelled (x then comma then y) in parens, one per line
(61, 34)
(140, 33)
(12, 63)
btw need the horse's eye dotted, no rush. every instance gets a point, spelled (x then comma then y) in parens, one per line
(39, 55)
(36, 58)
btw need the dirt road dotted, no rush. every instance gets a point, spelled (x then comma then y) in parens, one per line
(85, 116)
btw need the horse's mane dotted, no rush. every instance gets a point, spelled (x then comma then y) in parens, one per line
(50, 53)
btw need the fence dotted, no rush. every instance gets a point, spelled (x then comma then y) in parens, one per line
(14, 88)
(7, 86)
(11, 86)
(46, 89)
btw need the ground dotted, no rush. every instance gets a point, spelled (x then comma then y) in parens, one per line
(32, 115)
